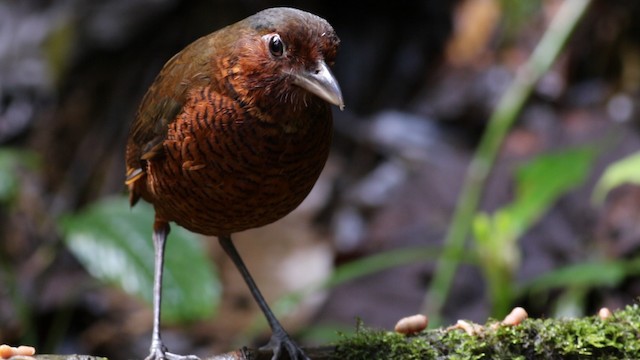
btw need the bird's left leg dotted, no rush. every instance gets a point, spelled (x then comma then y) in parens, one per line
(158, 350)
(279, 338)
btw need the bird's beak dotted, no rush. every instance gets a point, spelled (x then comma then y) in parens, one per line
(321, 82)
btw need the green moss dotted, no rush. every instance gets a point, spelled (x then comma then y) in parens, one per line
(586, 338)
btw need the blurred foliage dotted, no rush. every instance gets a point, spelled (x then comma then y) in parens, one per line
(538, 185)
(362, 267)
(623, 171)
(114, 243)
(502, 119)
(589, 274)
(11, 161)
(58, 49)
(516, 14)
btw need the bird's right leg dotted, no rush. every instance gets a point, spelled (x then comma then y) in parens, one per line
(280, 341)
(158, 351)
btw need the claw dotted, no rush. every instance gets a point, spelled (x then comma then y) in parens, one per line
(280, 341)
(159, 352)
(170, 356)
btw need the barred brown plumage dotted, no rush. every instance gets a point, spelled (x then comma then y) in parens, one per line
(233, 134)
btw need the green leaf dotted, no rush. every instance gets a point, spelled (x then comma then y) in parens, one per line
(539, 184)
(587, 275)
(382, 261)
(114, 244)
(482, 229)
(626, 170)
(542, 181)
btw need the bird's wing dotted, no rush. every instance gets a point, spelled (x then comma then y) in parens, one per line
(161, 105)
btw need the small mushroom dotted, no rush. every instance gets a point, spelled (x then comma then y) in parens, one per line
(515, 317)
(604, 313)
(7, 351)
(412, 324)
(469, 327)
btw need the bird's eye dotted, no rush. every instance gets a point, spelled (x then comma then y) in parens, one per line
(276, 46)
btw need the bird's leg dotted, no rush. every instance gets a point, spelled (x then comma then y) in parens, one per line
(160, 232)
(158, 351)
(279, 338)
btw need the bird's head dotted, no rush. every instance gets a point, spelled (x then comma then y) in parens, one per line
(284, 57)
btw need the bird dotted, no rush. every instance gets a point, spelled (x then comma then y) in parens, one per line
(232, 134)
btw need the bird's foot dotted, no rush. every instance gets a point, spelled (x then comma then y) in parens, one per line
(280, 341)
(159, 352)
